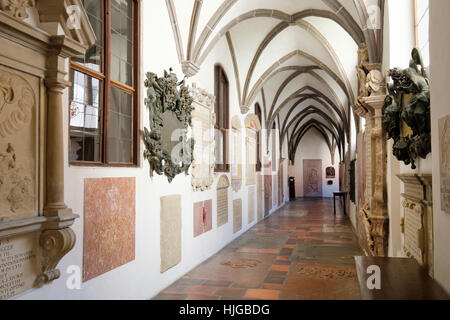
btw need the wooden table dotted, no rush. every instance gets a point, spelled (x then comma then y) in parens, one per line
(340, 194)
(401, 279)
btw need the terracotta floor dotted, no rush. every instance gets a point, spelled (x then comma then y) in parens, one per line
(302, 252)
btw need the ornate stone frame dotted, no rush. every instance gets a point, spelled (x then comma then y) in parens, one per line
(203, 121)
(170, 115)
(42, 52)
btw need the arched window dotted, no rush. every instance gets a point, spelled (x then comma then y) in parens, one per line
(258, 139)
(221, 91)
(422, 23)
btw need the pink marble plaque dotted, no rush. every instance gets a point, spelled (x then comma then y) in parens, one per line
(202, 217)
(109, 225)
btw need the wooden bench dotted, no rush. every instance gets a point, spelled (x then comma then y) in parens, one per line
(401, 279)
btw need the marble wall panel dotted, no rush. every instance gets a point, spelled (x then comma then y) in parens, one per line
(109, 225)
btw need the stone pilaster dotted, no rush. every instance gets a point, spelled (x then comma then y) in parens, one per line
(376, 207)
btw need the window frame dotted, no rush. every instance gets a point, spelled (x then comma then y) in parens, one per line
(107, 83)
(417, 21)
(258, 138)
(219, 74)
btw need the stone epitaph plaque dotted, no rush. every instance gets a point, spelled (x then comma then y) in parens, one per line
(312, 178)
(259, 197)
(170, 232)
(251, 204)
(222, 201)
(109, 225)
(237, 215)
(236, 154)
(18, 268)
(202, 217)
(203, 120)
(444, 144)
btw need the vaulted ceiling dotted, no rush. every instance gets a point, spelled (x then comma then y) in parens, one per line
(299, 55)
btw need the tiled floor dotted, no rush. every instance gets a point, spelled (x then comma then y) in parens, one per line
(302, 252)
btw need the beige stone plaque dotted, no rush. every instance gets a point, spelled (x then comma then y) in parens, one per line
(253, 127)
(18, 267)
(203, 120)
(251, 204)
(19, 142)
(312, 178)
(259, 196)
(222, 201)
(414, 230)
(444, 144)
(170, 232)
(237, 215)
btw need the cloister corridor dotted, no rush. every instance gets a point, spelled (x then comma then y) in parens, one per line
(301, 252)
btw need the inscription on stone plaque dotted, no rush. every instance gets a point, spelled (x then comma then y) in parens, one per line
(444, 144)
(251, 204)
(414, 242)
(18, 268)
(237, 215)
(222, 201)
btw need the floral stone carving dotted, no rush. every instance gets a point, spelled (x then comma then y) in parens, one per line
(17, 8)
(167, 148)
(413, 82)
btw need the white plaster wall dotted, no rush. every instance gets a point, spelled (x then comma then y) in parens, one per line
(440, 107)
(141, 278)
(399, 40)
(314, 147)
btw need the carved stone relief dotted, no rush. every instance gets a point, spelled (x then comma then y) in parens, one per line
(251, 204)
(237, 215)
(203, 120)
(202, 217)
(167, 148)
(109, 225)
(17, 8)
(32, 83)
(236, 154)
(373, 217)
(222, 201)
(312, 178)
(171, 247)
(18, 145)
(444, 145)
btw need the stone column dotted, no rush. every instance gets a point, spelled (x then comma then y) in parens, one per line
(56, 84)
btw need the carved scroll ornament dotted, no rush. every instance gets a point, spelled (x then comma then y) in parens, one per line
(415, 113)
(167, 148)
(17, 8)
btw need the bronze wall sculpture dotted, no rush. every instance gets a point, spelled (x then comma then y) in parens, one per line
(414, 112)
(167, 148)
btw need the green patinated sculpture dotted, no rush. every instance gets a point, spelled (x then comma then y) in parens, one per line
(416, 113)
(167, 148)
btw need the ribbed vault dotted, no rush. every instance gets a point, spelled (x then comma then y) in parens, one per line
(296, 58)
